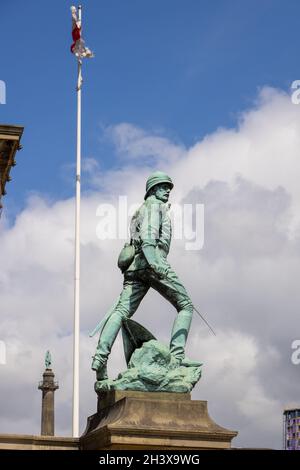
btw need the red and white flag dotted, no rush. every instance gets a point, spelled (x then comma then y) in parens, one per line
(78, 47)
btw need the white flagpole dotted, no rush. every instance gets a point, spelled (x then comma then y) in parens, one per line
(75, 426)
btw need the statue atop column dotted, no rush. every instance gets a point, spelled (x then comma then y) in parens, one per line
(48, 386)
(48, 360)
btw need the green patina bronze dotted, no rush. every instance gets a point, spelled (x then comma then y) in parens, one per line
(153, 368)
(48, 360)
(144, 265)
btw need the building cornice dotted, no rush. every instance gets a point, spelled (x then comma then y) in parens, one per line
(10, 137)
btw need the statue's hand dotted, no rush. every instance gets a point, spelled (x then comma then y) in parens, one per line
(154, 261)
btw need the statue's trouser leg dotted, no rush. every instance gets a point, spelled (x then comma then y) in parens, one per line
(130, 298)
(173, 290)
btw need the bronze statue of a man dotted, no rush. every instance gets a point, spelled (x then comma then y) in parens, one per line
(150, 232)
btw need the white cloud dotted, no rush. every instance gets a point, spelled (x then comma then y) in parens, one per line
(245, 280)
(135, 143)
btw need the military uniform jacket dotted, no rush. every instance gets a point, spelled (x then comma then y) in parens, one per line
(150, 225)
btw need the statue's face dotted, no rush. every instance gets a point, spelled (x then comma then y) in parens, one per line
(162, 191)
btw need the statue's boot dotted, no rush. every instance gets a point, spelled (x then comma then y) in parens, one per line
(101, 373)
(106, 340)
(186, 362)
(180, 333)
(100, 368)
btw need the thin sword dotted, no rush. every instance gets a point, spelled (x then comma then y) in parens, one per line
(204, 321)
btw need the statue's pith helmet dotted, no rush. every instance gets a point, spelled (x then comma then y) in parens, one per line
(157, 177)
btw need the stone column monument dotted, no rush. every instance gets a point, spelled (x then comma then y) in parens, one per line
(48, 387)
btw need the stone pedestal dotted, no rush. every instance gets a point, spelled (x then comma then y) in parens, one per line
(152, 420)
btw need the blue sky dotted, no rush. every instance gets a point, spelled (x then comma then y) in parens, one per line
(180, 69)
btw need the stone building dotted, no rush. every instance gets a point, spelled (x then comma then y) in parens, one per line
(10, 137)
